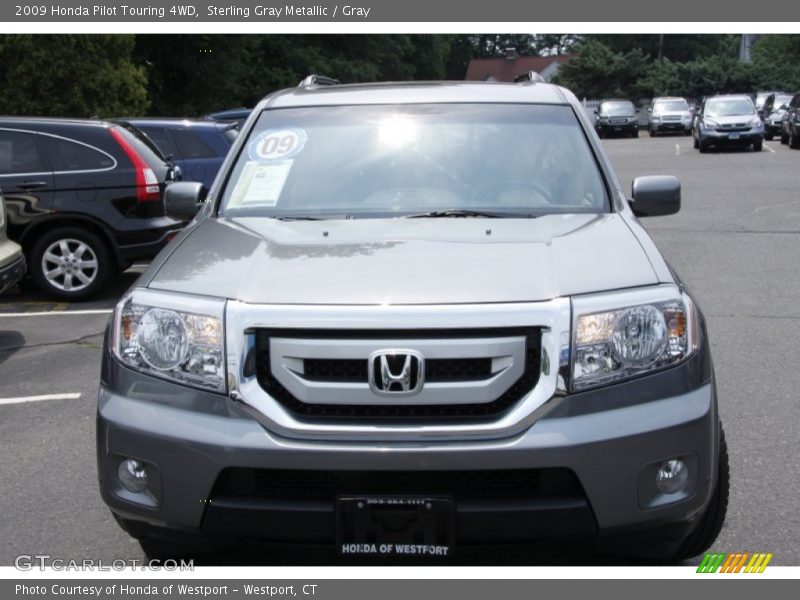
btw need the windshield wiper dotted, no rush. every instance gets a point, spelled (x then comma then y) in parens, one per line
(463, 212)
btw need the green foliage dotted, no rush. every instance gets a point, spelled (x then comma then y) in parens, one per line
(599, 72)
(70, 75)
(693, 66)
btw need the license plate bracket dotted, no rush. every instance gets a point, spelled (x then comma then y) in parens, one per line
(395, 526)
(733, 136)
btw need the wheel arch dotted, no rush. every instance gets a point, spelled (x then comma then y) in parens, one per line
(33, 231)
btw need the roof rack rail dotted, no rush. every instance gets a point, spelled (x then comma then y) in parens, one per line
(529, 77)
(314, 80)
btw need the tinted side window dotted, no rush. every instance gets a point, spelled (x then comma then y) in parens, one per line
(161, 138)
(19, 153)
(70, 156)
(191, 145)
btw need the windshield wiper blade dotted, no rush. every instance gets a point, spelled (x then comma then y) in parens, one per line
(463, 212)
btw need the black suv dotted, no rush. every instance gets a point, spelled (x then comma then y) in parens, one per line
(84, 199)
(789, 125)
(616, 116)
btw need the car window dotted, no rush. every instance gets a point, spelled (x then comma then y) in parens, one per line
(670, 106)
(617, 109)
(191, 145)
(65, 155)
(160, 137)
(398, 160)
(19, 153)
(729, 107)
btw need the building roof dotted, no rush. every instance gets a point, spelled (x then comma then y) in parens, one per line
(506, 69)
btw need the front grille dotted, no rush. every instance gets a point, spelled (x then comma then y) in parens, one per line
(437, 370)
(509, 484)
(671, 118)
(620, 121)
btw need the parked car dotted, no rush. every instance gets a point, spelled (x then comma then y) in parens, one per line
(239, 115)
(774, 109)
(789, 123)
(761, 98)
(12, 261)
(617, 117)
(669, 114)
(196, 146)
(418, 316)
(728, 120)
(83, 199)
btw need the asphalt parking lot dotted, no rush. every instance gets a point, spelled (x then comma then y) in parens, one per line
(736, 243)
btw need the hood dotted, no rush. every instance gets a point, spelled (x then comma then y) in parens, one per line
(406, 261)
(733, 120)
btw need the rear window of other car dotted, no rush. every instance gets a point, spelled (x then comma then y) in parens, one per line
(19, 153)
(190, 145)
(66, 155)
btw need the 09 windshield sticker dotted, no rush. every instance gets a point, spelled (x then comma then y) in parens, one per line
(260, 184)
(277, 144)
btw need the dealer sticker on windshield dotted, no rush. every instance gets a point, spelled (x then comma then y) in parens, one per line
(261, 184)
(277, 144)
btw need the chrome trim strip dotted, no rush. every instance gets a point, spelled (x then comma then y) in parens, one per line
(552, 317)
(66, 139)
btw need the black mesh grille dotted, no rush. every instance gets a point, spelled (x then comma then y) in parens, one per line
(436, 369)
(462, 485)
(449, 413)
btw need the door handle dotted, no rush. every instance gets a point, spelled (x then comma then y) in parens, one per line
(31, 185)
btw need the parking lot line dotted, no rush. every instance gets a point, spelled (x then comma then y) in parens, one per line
(768, 147)
(677, 149)
(22, 399)
(47, 313)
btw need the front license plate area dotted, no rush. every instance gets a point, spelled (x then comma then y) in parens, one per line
(733, 136)
(395, 526)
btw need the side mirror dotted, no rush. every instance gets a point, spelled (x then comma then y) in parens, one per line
(656, 195)
(182, 199)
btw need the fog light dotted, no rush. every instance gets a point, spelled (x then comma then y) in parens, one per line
(132, 475)
(672, 476)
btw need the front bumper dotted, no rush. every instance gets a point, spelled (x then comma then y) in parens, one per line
(739, 138)
(611, 128)
(12, 273)
(682, 126)
(193, 439)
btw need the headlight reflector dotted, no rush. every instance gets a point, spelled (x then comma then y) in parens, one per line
(649, 331)
(172, 336)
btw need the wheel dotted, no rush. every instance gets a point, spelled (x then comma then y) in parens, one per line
(769, 136)
(635, 133)
(600, 134)
(794, 141)
(784, 137)
(651, 132)
(702, 146)
(70, 263)
(757, 145)
(712, 520)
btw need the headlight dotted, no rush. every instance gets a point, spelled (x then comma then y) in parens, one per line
(176, 337)
(686, 117)
(655, 119)
(623, 335)
(709, 124)
(756, 122)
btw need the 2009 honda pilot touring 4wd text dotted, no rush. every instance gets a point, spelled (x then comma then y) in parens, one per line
(407, 319)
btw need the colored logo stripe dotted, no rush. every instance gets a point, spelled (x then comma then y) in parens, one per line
(733, 563)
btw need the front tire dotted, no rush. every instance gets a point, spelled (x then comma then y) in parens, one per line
(758, 145)
(784, 137)
(70, 263)
(769, 136)
(794, 141)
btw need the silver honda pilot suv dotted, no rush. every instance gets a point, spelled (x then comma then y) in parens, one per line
(408, 319)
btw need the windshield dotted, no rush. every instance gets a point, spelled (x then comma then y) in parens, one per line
(404, 160)
(781, 101)
(670, 106)
(617, 109)
(729, 107)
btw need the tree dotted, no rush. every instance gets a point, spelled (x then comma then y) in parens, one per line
(598, 72)
(70, 75)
